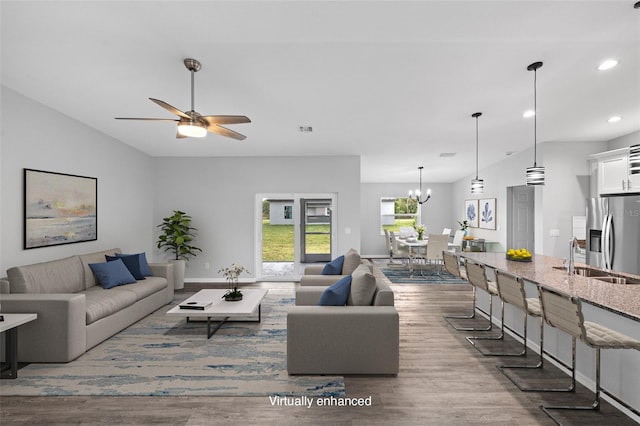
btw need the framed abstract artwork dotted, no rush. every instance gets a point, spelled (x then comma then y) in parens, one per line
(471, 212)
(59, 208)
(487, 213)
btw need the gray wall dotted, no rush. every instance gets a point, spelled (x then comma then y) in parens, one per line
(219, 193)
(624, 141)
(55, 142)
(436, 213)
(563, 196)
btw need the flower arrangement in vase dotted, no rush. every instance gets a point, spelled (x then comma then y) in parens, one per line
(464, 226)
(232, 273)
(420, 230)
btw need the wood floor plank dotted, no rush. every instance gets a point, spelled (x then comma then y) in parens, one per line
(443, 380)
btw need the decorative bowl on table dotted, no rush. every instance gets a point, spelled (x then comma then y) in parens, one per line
(519, 255)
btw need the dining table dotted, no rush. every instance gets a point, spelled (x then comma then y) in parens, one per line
(417, 249)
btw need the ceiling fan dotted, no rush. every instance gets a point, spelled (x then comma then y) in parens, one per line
(192, 123)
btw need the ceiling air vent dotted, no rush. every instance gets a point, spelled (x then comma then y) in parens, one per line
(448, 154)
(305, 129)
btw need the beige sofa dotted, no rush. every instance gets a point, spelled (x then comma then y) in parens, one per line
(343, 339)
(74, 312)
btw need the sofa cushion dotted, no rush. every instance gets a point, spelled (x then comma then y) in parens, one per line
(147, 287)
(97, 257)
(351, 262)
(56, 276)
(144, 265)
(336, 294)
(101, 303)
(334, 267)
(363, 287)
(112, 274)
(132, 263)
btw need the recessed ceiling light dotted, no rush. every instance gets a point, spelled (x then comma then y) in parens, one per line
(529, 114)
(614, 119)
(608, 64)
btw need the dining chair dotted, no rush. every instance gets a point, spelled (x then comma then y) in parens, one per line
(399, 252)
(564, 312)
(387, 242)
(457, 240)
(511, 290)
(446, 231)
(437, 243)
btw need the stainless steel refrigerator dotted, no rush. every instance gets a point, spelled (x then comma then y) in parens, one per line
(613, 233)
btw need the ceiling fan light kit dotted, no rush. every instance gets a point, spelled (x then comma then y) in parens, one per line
(192, 129)
(192, 124)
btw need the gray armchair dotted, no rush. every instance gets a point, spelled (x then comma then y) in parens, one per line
(343, 339)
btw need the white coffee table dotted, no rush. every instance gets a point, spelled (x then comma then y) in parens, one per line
(249, 305)
(10, 325)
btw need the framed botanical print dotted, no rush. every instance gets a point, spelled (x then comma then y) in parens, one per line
(471, 212)
(487, 213)
(59, 208)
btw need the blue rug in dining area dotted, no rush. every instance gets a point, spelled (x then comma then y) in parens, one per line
(431, 275)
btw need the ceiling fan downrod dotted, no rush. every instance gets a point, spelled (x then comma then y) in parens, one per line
(194, 66)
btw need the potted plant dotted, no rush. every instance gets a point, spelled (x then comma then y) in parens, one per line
(176, 237)
(232, 273)
(464, 226)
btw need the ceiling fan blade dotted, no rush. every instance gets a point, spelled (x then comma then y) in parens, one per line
(170, 108)
(225, 119)
(146, 119)
(180, 136)
(214, 128)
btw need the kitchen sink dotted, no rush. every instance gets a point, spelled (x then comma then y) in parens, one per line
(599, 275)
(618, 280)
(590, 272)
(584, 272)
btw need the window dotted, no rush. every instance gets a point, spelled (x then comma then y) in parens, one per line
(288, 212)
(396, 213)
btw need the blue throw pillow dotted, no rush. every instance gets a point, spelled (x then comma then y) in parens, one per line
(144, 265)
(111, 274)
(337, 294)
(334, 267)
(132, 262)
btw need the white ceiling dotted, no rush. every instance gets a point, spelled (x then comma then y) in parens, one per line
(391, 81)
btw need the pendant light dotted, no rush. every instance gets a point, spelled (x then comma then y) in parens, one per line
(535, 174)
(477, 185)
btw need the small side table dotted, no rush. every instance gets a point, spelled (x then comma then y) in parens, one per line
(10, 325)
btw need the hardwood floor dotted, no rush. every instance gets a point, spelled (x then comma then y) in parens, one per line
(443, 380)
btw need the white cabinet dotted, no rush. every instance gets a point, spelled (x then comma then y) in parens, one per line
(613, 173)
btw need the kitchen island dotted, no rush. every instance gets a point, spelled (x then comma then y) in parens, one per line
(621, 299)
(616, 306)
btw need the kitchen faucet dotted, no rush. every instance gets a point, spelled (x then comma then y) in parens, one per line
(573, 244)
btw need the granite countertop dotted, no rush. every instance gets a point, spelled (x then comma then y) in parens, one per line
(623, 299)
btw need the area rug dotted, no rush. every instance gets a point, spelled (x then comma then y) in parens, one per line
(426, 276)
(162, 355)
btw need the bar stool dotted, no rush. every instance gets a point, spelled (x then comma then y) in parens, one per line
(476, 272)
(565, 313)
(511, 289)
(452, 265)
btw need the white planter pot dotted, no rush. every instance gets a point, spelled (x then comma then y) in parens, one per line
(178, 273)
